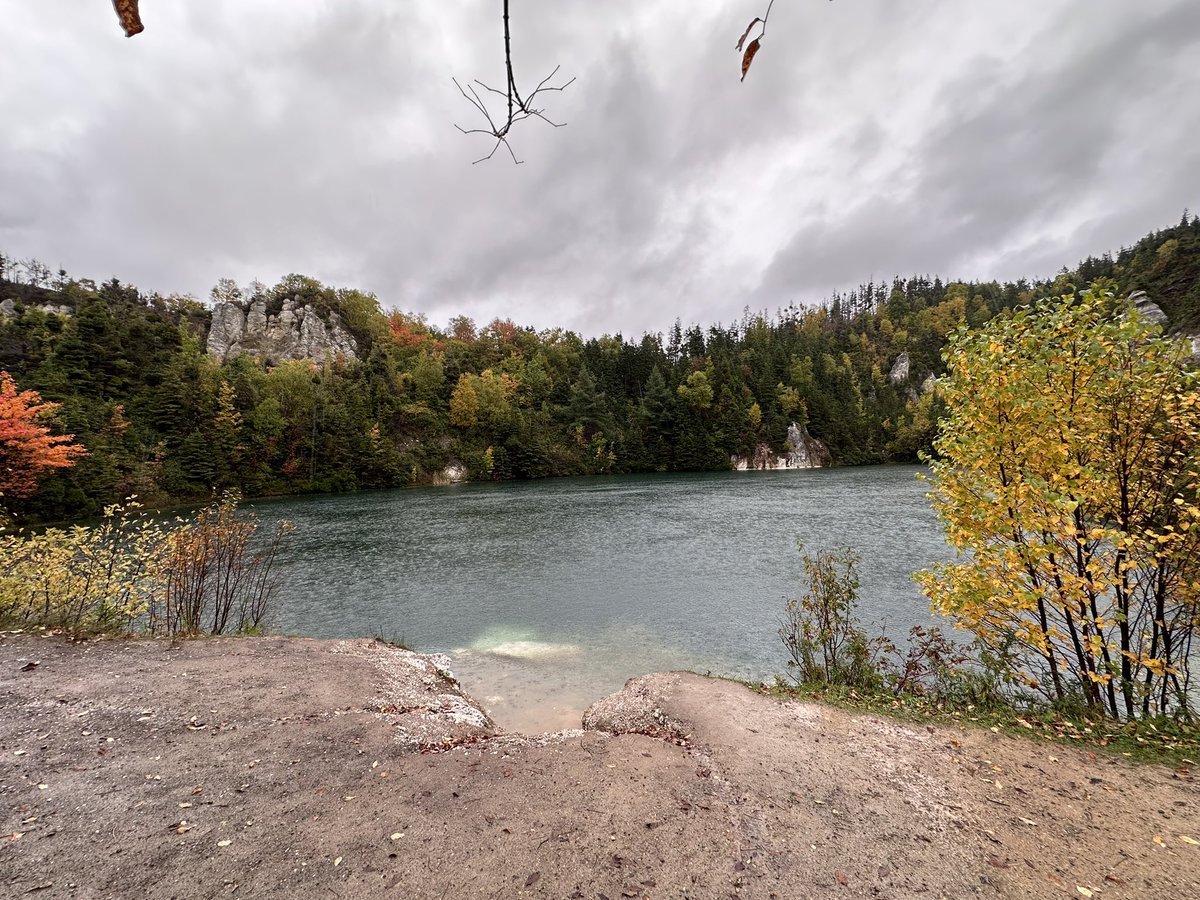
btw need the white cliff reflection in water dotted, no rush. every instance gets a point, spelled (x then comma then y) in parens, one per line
(548, 595)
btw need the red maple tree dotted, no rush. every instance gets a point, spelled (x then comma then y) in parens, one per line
(27, 448)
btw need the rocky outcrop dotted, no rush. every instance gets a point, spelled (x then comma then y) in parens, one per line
(296, 332)
(8, 309)
(1147, 308)
(1150, 311)
(454, 473)
(804, 452)
(900, 368)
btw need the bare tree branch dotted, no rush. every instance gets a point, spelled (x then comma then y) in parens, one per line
(518, 108)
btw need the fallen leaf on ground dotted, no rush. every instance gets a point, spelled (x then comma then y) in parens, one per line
(1187, 839)
(396, 835)
(338, 861)
(532, 879)
(841, 878)
(224, 843)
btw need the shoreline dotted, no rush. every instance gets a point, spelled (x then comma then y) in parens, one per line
(300, 767)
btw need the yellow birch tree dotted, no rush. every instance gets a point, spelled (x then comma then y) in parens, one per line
(1066, 475)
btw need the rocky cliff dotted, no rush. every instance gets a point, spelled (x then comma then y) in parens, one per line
(1152, 312)
(296, 332)
(804, 452)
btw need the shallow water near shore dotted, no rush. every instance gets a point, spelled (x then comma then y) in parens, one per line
(548, 595)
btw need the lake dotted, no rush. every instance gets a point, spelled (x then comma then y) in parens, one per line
(550, 594)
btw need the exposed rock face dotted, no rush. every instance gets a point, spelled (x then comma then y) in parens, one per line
(1152, 312)
(8, 309)
(805, 452)
(298, 332)
(899, 373)
(1147, 308)
(454, 473)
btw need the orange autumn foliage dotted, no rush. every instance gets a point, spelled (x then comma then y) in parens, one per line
(27, 449)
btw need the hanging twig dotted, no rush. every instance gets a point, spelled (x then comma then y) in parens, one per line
(753, 47)
(518, 108)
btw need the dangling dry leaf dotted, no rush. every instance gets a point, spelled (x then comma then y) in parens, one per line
(127, 12)
(746, 33)
(751, 49)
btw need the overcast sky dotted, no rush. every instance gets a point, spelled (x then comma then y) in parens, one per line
(253, 138)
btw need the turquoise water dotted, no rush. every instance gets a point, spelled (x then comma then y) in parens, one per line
(548, 595)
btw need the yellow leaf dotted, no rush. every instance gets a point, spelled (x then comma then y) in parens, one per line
(1187, 839)
(338, 861)
(1083, 891)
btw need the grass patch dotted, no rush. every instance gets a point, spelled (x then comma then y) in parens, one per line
(1162, 741)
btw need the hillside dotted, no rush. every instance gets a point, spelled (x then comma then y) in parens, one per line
(396, 400)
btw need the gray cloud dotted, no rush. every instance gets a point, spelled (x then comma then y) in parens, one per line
(871, 138)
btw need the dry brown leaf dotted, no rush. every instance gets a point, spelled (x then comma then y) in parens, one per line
(746, 33)
(748, 58)
(127, 12)
(841, 878)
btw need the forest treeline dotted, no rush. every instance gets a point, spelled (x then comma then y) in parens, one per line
(163, 420)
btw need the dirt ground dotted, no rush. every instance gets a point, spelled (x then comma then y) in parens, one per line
(278, 767)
